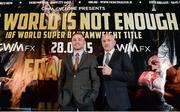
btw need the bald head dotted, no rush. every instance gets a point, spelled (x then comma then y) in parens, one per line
(108, 42)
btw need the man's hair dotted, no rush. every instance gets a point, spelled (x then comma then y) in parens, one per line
(78, 34)
(150, 55)
(109, 35)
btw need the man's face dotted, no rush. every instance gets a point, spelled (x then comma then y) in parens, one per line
(78, 42)
(154, 63)
(108, 42)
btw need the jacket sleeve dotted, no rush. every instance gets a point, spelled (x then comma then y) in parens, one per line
(62, 76)
(95, 79)
(126, 72)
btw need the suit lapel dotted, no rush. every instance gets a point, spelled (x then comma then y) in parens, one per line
(101, 59)
(83, 59)
(69, 59)
(113, 58)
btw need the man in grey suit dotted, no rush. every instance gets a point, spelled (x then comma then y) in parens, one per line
(116, 71)
(78, 82)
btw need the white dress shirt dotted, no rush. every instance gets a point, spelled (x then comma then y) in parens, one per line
(80, 55)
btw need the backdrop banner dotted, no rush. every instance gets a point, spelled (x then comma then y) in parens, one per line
(36, 34)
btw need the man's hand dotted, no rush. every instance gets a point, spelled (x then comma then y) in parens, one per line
(106, 70)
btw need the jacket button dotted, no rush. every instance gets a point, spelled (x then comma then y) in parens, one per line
(74, 76)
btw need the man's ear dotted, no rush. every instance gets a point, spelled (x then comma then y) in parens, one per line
(84, 44)
(114, 42)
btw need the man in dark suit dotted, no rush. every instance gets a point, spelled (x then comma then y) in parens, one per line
(79, 82)
(115, 71)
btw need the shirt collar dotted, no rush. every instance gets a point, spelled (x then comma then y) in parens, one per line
(79, 51)
(110, 52)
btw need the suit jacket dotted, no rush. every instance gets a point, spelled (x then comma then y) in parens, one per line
(115, 86)
(83, 83)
